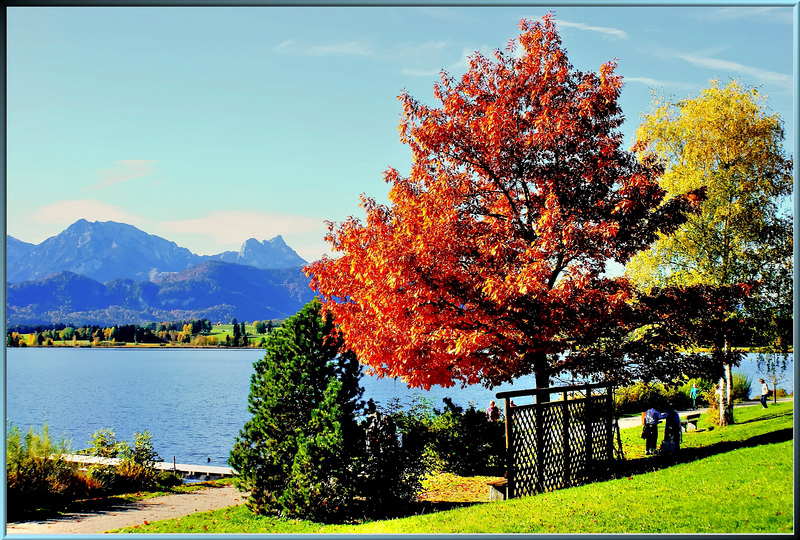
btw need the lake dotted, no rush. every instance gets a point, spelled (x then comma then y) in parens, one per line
(193, 401)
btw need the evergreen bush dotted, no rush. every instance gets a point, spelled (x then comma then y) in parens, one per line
(298, 453)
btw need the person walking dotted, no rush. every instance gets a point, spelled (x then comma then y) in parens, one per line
(650, 419)
(693, 394)
(764, 393)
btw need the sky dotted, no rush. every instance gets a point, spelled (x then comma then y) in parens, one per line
(211, 125)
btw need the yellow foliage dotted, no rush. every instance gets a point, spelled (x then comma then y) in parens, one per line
(727, 140)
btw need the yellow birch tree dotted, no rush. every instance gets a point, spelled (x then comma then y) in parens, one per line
(727, 140)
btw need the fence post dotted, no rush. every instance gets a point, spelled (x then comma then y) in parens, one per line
(610, 421)
(538, 423)
(565, 446)
(587, 419)
(509, 450)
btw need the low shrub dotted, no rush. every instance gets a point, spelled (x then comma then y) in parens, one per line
(741, 387)
(394, 464)
(132, 476)
(104, 443)
(643, 396)
(136, 470)
(457, 441)
(40, 480)
(466, 444)
(169, 479)
(37, 478)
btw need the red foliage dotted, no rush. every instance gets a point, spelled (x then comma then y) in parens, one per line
(492, 254)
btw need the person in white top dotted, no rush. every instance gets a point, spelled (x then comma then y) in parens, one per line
(764, 393)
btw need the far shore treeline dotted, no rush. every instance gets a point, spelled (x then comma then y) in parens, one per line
(191, 333)
(204, 333)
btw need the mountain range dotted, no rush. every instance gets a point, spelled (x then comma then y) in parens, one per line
(113, 273)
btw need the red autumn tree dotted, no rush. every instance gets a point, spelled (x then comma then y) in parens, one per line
(491, 258)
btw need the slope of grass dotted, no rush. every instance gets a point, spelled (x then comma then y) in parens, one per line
(733, 480)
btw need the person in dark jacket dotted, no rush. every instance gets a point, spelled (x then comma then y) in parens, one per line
(672, 431)
(650, 420)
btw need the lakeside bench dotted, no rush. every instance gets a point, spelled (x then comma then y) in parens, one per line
(691, 420)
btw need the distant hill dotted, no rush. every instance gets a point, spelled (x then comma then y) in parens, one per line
(214, 290)
(106, 251)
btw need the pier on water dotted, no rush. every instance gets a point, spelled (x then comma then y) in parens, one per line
(189, 472)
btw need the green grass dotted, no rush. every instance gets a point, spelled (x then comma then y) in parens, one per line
(733, 480)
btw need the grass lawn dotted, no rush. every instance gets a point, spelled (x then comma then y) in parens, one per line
(733, 480)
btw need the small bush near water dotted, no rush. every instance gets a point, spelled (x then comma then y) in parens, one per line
(135, 471)
(39, 480)
(36, 478)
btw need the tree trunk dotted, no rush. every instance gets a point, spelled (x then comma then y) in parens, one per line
(728, 416)
(541, 373)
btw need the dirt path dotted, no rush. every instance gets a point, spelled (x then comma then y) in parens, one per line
(130, 514)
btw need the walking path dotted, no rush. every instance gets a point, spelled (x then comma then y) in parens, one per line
(631, 421)
(130, 514)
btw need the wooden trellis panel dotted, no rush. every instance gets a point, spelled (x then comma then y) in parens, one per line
(557, 444)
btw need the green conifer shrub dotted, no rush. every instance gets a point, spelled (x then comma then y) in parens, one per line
(298, 453)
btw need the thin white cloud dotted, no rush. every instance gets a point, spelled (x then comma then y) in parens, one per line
(232, 227)
(608, 31)
(342, 48)
(656, 83)
(124, 170)
(66, 213)
(763, 75)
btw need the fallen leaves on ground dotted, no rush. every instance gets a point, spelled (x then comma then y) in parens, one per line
(447, 487)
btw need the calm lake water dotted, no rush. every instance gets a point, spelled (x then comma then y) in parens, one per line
(193, 401)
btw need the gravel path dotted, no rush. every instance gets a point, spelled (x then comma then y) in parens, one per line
(130, 514)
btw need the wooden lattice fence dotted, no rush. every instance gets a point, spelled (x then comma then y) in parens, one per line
(552, 445)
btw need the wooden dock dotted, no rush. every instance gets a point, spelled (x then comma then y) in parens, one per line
(210, 472)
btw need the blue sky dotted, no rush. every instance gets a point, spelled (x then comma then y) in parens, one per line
(211, 125)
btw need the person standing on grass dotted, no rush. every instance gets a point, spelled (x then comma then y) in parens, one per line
(693, 394)
(651, 419)
(764, 393)
(672, 431)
